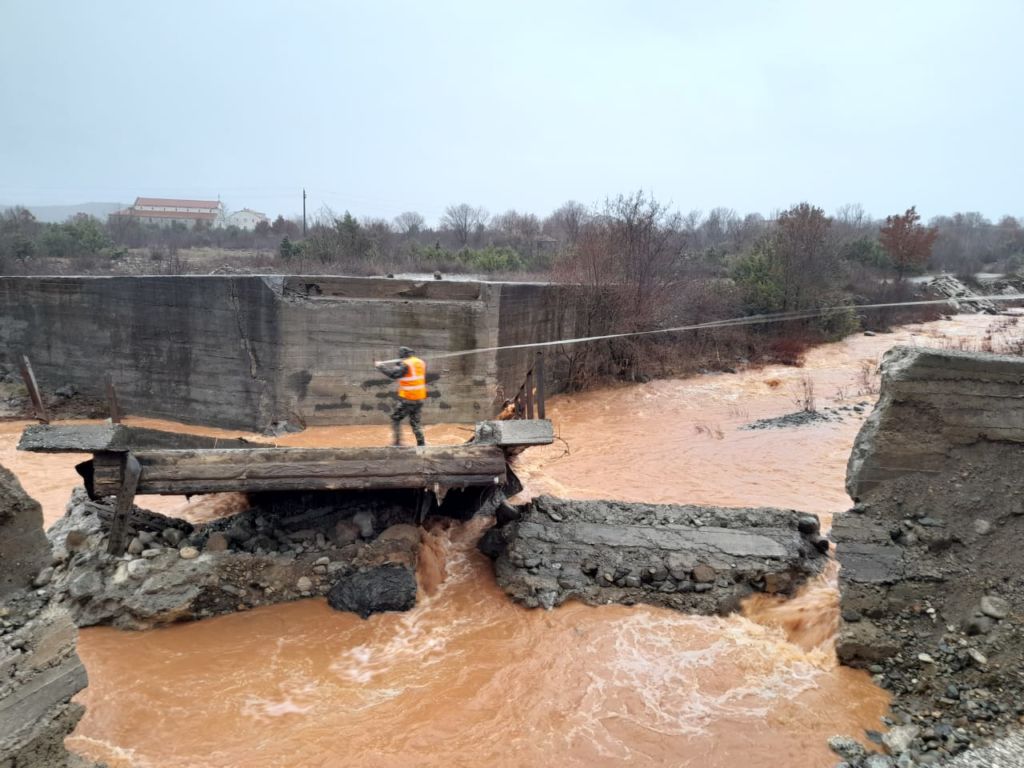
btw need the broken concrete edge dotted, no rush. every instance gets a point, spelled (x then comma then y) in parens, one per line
(702, 560)
(514, 433)
(93, 438)
(953, 395)
(40, 670)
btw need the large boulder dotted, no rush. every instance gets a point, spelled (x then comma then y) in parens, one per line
(389, 587)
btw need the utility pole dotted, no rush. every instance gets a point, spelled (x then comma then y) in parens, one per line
(303, 211)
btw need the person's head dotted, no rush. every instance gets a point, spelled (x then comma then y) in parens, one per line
(404, 352)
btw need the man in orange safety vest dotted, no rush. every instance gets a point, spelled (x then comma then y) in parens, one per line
(411, 373)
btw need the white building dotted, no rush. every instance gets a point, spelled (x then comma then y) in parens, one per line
(245, 219)
(166, 211)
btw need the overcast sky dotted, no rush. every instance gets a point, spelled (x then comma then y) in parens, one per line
(382, 107)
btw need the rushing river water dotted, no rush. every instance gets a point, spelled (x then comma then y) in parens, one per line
(468, 678)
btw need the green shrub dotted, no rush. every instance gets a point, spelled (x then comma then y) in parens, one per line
(759, 283)
(491, 259)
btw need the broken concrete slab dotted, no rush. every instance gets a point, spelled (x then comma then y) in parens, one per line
(92, 438)
(933, 401)
(697, 559)
(515, 432)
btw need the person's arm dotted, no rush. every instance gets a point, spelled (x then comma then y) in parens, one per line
(393, 370)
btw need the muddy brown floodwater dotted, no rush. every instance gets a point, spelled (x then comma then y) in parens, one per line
(468, 678)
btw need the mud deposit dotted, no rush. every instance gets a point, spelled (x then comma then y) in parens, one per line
(467, 677)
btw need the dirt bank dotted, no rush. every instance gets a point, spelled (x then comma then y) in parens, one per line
(932, 592)
(39, 668)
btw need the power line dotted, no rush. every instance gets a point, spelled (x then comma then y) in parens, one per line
(776, 317)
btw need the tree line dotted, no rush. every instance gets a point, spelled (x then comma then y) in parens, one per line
(633, 263)
(468, 238)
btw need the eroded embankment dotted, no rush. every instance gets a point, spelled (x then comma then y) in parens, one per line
(932, 586)
(701, 560)
(39, 668)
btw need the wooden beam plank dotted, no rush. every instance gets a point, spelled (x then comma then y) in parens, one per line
(117, 543)
(112, 403)
(252, 469)
(539, 369)
(271, 455)
(29, 377)
(178, 487)
(267, 471)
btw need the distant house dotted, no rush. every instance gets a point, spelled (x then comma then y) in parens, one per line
(166, 211)
(246, 218)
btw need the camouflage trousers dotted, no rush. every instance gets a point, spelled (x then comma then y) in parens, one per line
(413, 410)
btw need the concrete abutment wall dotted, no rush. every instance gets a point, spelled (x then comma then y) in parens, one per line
(247, 351)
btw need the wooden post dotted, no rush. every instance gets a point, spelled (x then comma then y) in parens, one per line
(117, 543)
(539, 368)
(529, 394)
(115, 408)
(33, 389)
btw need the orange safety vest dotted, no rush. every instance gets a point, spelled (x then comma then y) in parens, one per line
(413, 386)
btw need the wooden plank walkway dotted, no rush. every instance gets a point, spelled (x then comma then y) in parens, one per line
(127, 461)
(215, 470)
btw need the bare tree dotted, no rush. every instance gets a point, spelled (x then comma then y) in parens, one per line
(642, 232)
(409, 223)
(517, 226)
(566, 223)
(623, 267)
(463, 220)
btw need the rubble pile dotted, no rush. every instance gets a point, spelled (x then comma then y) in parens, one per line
(277, 550)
